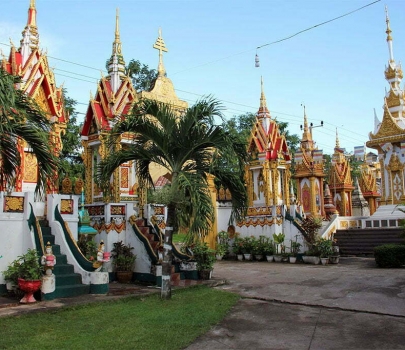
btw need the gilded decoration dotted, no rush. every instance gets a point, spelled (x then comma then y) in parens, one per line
(113, 226)
(388, 128)
(394, 164)
(124, 178)
(66, 206)
(258, 211)
(353, 223)
(223, 194)
(267, 221)
(344, 224)
(13, 204)
(159, 210)
(30, 167)
(95, 210)
(66, 186)
(117, 210)
(78, 186)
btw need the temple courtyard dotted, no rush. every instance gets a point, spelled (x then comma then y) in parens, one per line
(352, 305)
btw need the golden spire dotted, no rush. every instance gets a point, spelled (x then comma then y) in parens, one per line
(337, 140)
(117, 41)
(263, 112)
(160, 45)
(306, 136)
(263, 102)
(389, 37)
(32, 22)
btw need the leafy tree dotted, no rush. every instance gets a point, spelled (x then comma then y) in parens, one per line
(22, 119)
(71, 154)
(189, 147)
(140, 74)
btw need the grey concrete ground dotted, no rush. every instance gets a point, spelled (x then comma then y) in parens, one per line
(352, 305)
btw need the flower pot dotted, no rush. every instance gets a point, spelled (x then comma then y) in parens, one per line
(247, 256)
(269, 258)
(324, 261)
(240, 257)
(316, 260)
(278, 258)
(124, 276)
(334, 259)
(306, 259)
(259, 257)
(218, 256)
(29, 288)
(293, 259)
(205, 274)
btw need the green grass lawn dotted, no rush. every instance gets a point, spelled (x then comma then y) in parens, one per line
(130, 323)
(179, 238)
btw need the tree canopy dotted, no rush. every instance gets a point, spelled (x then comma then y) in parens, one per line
(21, 119)
(189, 146)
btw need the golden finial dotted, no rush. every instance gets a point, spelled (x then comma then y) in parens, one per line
(337, 139)
(306, 136)
(389, 37)
(160, 45)
(117, 41)
(31, 14)
(262, 96)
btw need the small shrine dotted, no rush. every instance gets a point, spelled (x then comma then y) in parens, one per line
(388, 137)
(114, 97)
(38, 82)
(309, 174)
(268, 171)
(368, 182)
(340, 181)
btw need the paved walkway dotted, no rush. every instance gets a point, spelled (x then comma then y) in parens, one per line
(352, 305)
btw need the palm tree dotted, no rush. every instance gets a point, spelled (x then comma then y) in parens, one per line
(191, 148)
(22, 119)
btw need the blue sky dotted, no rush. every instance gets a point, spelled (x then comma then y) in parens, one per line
(336, 70)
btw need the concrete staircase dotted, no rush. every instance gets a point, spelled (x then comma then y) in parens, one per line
(68, 283)
(361, 242)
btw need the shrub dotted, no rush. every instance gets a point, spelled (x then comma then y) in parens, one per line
(390, 255)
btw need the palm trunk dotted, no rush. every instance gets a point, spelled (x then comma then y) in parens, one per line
(166, 291)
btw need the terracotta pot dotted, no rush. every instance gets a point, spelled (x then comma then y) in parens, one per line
(124, 276)
(205, 274)
(29, 288)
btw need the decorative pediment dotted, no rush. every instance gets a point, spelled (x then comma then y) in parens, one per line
(388, 127)
(394, 164)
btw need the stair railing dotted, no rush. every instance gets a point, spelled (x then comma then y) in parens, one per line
(85, 264)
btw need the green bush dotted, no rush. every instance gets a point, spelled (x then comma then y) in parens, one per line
(390, 255)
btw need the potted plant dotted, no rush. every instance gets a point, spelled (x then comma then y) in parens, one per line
(237, 248)
(280, 249)
(295, 248)
(247, 247)
(324, 247)
(123, 260)
(26, 272)
(222, 244)
(205, 258)
(268, 250)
